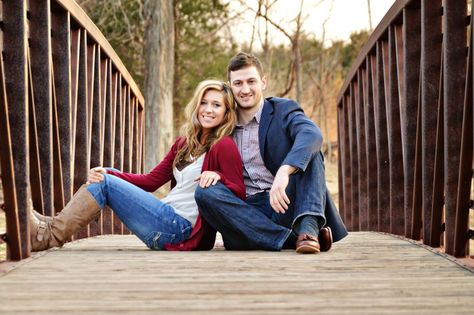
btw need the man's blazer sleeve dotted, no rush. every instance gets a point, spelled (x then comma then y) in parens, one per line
(307, 139)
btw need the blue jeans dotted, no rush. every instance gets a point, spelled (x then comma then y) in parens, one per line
(253, 224)
(154, 222)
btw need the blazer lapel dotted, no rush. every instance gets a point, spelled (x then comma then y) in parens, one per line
(265, 119)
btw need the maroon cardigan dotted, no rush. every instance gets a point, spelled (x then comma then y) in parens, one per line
(223, 158)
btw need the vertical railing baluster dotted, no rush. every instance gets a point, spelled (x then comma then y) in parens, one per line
(76, 36)
(437, 201)
(57, 162)
(397, 225)
(61, 52)
(409, 105)
(34, 145)
(95, 227)
(354, 224)
(361, 151)
(466, 158)
(128, 133)
(454, 29)
(132, 135)
(340, 165)
(383, 165)
(118, 136)
(15, 69)
(81, 154)
(127, 167)
(347, 215)
(417, 195)
(141, 137)
(371, 144)
(430, 69)
(40, 56)
(14, 251)
(107, 218)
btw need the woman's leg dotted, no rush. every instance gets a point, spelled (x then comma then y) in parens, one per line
(154, 222)
(80, 211)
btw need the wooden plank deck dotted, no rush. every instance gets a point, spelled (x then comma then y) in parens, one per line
(367, 273)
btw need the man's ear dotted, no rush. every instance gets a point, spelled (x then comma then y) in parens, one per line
(264, 82)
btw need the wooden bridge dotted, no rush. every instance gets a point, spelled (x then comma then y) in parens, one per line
(405, 118)
(366, 273)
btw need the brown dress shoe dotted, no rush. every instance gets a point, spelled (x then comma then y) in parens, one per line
(307, 244)
(325, 238)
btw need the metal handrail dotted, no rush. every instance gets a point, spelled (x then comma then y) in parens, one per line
(406, 127)
(67, 103)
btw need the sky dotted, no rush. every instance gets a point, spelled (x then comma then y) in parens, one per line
(343, 17)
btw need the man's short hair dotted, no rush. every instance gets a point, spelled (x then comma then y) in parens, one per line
(243, 60)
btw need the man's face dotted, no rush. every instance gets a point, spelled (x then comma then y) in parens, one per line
(247, 86)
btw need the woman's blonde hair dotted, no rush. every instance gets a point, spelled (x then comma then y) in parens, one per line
(192, 129)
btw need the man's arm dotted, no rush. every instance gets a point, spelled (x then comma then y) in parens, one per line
(278, 198)
(307, 141)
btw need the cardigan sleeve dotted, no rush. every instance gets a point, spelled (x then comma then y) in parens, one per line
(229, 166)
(159, 175)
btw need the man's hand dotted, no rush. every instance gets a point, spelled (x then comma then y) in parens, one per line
(95, 175)
(207, 178)
(278, 198)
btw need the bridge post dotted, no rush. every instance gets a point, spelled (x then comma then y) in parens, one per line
(15, 54)
(454, 67)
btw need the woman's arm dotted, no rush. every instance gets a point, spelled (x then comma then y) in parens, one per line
(160, 175)
(229, 166)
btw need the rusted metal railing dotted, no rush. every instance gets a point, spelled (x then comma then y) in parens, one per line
(67, 104)
(405, 116)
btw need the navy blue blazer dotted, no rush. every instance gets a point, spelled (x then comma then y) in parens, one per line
(288, 137)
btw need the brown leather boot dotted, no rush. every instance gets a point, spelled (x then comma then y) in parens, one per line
(41, 217)
(80, 211)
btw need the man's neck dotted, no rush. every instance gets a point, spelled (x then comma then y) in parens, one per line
(246, 115)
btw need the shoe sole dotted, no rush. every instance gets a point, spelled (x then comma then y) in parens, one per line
(306, 249)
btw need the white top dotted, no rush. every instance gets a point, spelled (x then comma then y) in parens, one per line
(181, 197)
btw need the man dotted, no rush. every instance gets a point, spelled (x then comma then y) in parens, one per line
(288, 205)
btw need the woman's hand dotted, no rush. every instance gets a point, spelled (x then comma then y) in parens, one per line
(95, 175)
(207, 178)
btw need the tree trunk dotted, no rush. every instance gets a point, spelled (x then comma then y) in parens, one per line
(159, 66)
(298, 74)
(370, 16)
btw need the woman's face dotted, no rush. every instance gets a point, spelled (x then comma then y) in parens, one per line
(212, 109)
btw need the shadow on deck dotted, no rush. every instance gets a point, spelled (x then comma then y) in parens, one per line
(365, 273)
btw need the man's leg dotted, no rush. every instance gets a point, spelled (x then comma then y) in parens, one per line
(305, 214)
(242, 226)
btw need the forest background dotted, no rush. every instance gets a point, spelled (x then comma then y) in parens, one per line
(202, 36)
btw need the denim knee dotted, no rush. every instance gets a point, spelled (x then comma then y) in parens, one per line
(204, 195)
(97, 190)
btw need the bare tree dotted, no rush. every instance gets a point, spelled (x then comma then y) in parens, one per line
(294, 76)
(159, 65)
(370, 16)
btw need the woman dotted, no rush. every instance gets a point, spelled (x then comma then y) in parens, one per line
(205, 155)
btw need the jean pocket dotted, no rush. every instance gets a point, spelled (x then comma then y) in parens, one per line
(158, 240)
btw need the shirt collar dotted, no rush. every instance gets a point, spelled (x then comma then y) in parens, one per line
(257, 116)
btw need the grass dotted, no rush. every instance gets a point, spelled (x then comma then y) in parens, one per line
(3, 228)
(332, 181)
